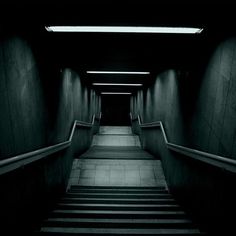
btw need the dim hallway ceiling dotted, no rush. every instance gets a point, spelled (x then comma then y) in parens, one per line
(120, 51)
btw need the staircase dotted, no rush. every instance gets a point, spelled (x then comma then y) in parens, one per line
(120, 136)
(120, 191)
(88, 210)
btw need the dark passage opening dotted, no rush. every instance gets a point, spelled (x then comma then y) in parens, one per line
(115, 110)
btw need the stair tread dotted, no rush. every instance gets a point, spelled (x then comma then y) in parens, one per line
(117, 191)
(119, 194)
(119, 205)
(178, 212)
(130, 200)
(82, 188)
(126, 193)
(116, 187)
(115, 158)
(104, 220)
(102, 147)
(118, 230)
(118, 223)
(114, 153)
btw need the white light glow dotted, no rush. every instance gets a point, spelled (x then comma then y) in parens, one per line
(115, 93)
(120, 72)
(125, 29)
(116, 84)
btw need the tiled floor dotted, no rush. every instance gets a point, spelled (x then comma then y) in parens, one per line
(118, 172)
(124, 165)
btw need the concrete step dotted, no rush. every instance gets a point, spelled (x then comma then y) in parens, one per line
(118, 187)
(115, 130)
(116, 148)
(118, 195)
(117, 231)
(118, 151)
(120, 207)
(117, 191)
(116, 140)
(119, 154)
(127, 157)
(178, 214)
(117, 201)
(118, 223)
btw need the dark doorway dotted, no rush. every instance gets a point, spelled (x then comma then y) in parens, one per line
(115, 110)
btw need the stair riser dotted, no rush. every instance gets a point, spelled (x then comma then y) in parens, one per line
(117, 187)
(116, 234)
(117, 191)
(124, 196)
(118, 216)
(118, 201)
(119, 225)
(116, 158)
(115, 231)
(121, 208)
(117, 154)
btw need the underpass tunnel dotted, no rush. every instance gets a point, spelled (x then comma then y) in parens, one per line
(114, 92)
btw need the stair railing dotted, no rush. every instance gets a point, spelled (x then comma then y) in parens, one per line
(19, 161)
(206, 157)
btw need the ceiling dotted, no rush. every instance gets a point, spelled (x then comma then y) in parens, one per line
(126, 52)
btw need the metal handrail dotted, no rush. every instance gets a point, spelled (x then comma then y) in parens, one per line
(215, 160)
(21, 160)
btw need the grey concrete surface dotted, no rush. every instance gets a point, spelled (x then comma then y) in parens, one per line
(22, 107)
(120, 173)
(115, 136)
(38, 104)
(197, 110)
(135, 168)
(117, 162)
(115, 130)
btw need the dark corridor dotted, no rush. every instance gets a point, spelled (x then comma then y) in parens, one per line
(115, 110)
(53, 102)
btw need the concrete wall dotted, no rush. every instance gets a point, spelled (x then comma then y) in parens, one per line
(197, 108)
(215, 109)
(38, 104)
(22, 113)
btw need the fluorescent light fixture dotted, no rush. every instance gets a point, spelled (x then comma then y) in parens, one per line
(120, 72)
(115, 93)
(125, 29)
(116, 84)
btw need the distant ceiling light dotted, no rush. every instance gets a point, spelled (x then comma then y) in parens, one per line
(116, 84)
(125, 29)
(120, 72)
(115, 93)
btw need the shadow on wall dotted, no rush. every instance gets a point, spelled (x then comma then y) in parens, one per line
(198, 112)
(38, 105)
